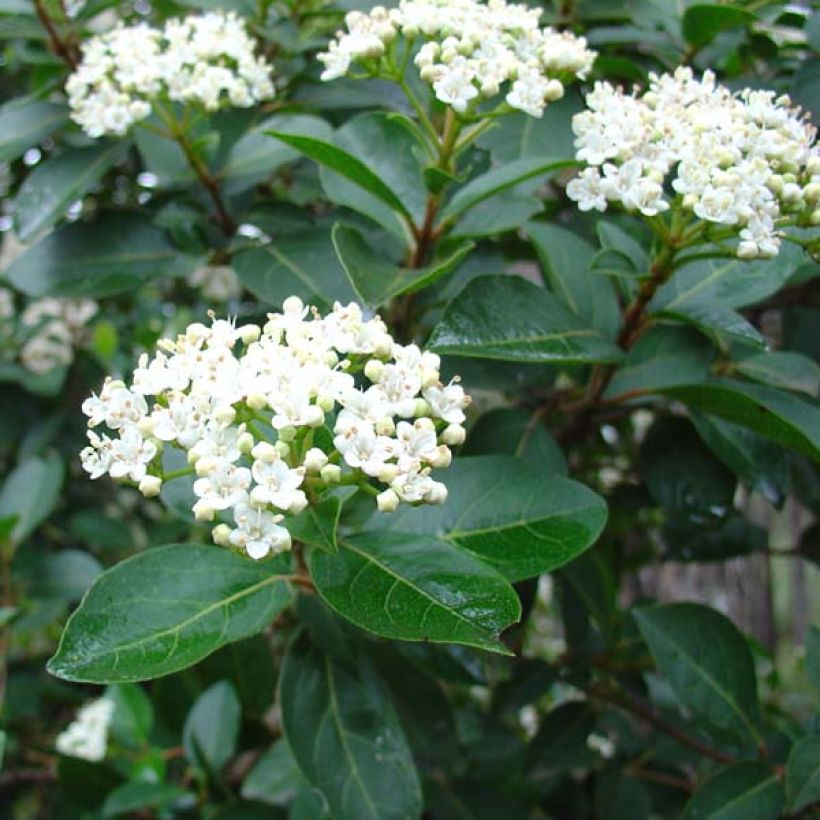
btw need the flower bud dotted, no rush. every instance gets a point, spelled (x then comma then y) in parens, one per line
(206, 465)
(264, 451)
(287, 434)
(150, 486)
(256, 401)
(326, 403)
(387, 501)
(293, 304)
(424, 423)
(145, 427)
(388, 472)
(331, 473)
(224, 414)
(385, 426)
(249, 333)
(453, 434)
(442, 458)
(245, 442)
(314, 416)
(429, 377)
(438, 493)
(298, 505)
(374, 369)
(283, 448)
(421, 408)
(554, 91)
(192, 458)
(258, 496)
(203, 511)
(221, 534)
(315, 459)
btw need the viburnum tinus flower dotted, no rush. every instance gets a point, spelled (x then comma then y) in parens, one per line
(206, 60)
(272, 416)
(87, 736)
(467, 50)
(745, 160)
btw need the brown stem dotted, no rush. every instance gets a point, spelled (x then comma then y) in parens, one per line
(209, 183)
(637, 707)
(663, 778)
(57, 44)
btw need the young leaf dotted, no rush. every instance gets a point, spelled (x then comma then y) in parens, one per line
(346, 737)
(416, 588)
(509, 318)
(376, 280)
(52, 186)
(743, 791)
(334, 158)
(212, 728)
(73, 261)
(803, 773)
(511, 515)
(165, 609)
(708, 664)
(496, 181)
(317, 524)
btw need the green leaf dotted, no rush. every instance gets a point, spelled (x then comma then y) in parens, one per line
(760, 464)
(813, 655)
(704, 21)
(511, 515)
(803, 773)
(508, 318)
(416, 588)
(327, 154)
(64, 575)
(786, 418)
(515, 432)
(137, 795)
(73, 261)
(633, 255)
(255, 156)
(212, 728)
(165, 609)
(30, 492)
(346, 737)
(743, 791)
(566, 260)
(497, 180)
(302, 263)
(24, 122)
(52, 186)
(791, 371)
(275, 777)
(708, 665)
(505, 212)
(376, 280)
(664, 356)
(133, 716)
(317, 524)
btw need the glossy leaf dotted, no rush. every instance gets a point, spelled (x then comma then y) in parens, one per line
(505, 212)
(790, 371)
(24, 122)
(30, 492)
(744, 791)
(510, 515)
(73, 261)
(317, 524)
(416, 588)
(51, 187)
(497, 180)
(376, 280)
(346, 736)
(803, 773)
(275, 777)
(785, 418)
(212, 727)
(702, 22)
(165, 609)
(708, 665)
(508, 318)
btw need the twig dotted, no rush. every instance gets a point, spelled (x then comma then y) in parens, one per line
(58, 45)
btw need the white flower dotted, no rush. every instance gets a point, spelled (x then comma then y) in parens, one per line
(87, 736)
(258, 532)
(225, 486)
(278, 484)
(448, 402)
(130, 455)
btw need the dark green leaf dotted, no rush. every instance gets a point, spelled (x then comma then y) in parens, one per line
(165, 609)
(346, 737)
(416, 588)
(744, 791)
(30, 492)
(708, 665)
(508, 318)
(275, 777)
(63, 576)
(512, 431)
(803, 773)
(375, 279)
(497, 180)
(505, 212)
(791, 371)
(632, 252)
(303, 264)
(135, 796)
(212, 728)
(24, 122)
(73, 261)
(704, 21)
(813, 655)
(133, 716)
(317, 524)
(47, 192)
(511, 515)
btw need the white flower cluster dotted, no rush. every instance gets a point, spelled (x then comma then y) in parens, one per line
(270, 415)
(87, 735)
(207, 60)
(741, 160)
(217, 283)
(470, 50)
(48, 331)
